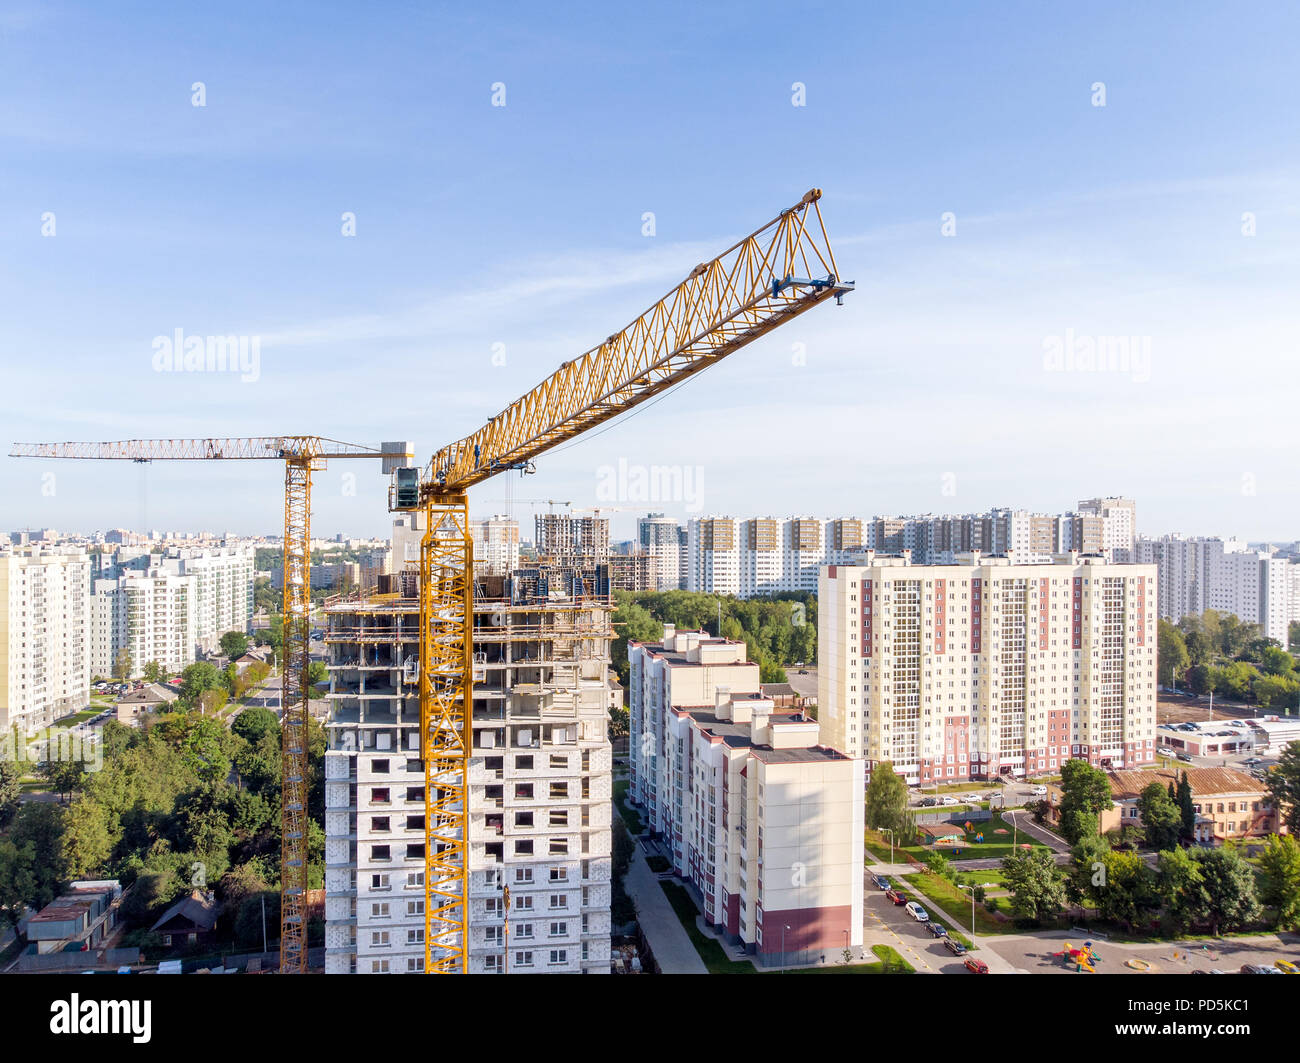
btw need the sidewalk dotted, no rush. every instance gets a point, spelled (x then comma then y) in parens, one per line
(672, 949)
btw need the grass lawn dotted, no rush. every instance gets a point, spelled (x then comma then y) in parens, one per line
(630, 816)
(76, 718)
(711, 952)
(658, 864)
(995, 846)
(890, 962)
(955, 905)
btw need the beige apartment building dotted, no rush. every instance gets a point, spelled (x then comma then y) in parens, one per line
(988, 668)
(45, 629)
(763, 821)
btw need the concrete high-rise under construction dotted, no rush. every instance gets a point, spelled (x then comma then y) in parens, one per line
(540, 777)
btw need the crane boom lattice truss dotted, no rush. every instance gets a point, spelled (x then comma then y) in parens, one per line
(770, 277)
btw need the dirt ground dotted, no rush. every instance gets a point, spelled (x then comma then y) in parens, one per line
(1194, 710)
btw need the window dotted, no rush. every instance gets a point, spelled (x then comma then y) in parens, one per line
(559, 846)
(523, 930)
(379, 939)
(379, 767)
(559, 929)
(379, 823)
(559, 789)
(559, 760)
(379, 852)
(415, 823)
(378, 966)
(379, 911)
(523, 903)
(559, 817)
(415, 852)
(379, 882)
(523, 959)
(414, 879)
(523, 763)
(561, 874)
(415, 764)
(523, 791)
(524, 847)
(414, 964)
(415, 793)
(491, 964)
(559, 900)
(559, 956)
(380, 795)
(415, 936)
(415, 907)
(523, 874)
(523, 819)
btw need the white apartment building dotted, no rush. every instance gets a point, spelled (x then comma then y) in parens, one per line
(767, 555)
(1118, 527)
(496, 545)
(223, 588)
(44, 635)
(1196, 574)
(660, 537)
(763, 822)
(149, 614)
(985, 667)
(540, 786)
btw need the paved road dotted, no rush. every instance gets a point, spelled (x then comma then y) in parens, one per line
(1032, 953)
(672, 949)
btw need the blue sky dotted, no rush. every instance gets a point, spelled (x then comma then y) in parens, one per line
(521, 226)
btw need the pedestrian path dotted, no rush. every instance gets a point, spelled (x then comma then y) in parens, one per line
(672, 948)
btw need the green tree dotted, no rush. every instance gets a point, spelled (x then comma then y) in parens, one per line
(197, 678)
(122, 664)
(154, 673)
(1186, 808)
(634, 623)
(886, 806)
(1087, 866)
(37, 836)
(65, 775)
(317, 672)
(1284, 784)
(1084, 789)
(1162, 820)
(1078, 824)
(233, 644)
(254, 722)
(1181, 885)
(90, 835)
(1276, 690)
(1125, 894)
(1037, 885)
(1230, 899)
(1276, 661)
(1279, 865)
(10, 789)
(19, 882)
(1199, 647)
(1171, 653)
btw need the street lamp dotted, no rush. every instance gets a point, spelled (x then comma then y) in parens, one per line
(783, 930)
(972, 911)
(887, 830)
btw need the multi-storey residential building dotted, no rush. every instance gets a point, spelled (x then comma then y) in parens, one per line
(763, 822)
(986, 668)
(631, 572)
(540, 781)
(223, 588)
(566, 540)
(149, 615)
(660, 538)
(1196, 574)
(1119, 525)
(496, 545)
(766, 555)
(44, 635)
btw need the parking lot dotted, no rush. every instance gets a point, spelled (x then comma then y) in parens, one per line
(885, 923)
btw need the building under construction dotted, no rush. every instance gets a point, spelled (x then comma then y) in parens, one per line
(540, 782)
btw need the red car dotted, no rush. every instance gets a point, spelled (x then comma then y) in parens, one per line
(976, 966)
(896, 897)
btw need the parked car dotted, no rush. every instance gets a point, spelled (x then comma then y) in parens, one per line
(883, 883)
(937, 930)
(916, 912)
(929, 802)
(949, 801)
(1184, 755)
(976, 966)
(1252, 761)
(972, 797)
(1286, 967)
(896, 897)
(954, 946)
(1258, 968)
(1040, 791)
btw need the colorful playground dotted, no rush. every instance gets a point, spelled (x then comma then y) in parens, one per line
(1083, 958)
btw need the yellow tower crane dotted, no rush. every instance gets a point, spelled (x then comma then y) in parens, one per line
(301, 455)
(778, 272)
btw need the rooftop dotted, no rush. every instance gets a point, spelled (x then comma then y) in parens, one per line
(1205, 782)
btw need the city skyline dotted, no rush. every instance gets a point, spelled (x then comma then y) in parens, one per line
(1070, 227)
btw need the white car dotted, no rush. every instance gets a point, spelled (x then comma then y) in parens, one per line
(916, 912)
(1040, 791)
(949, 801)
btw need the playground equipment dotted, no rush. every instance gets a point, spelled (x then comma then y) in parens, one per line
(1139, 965)
(1083, 958)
